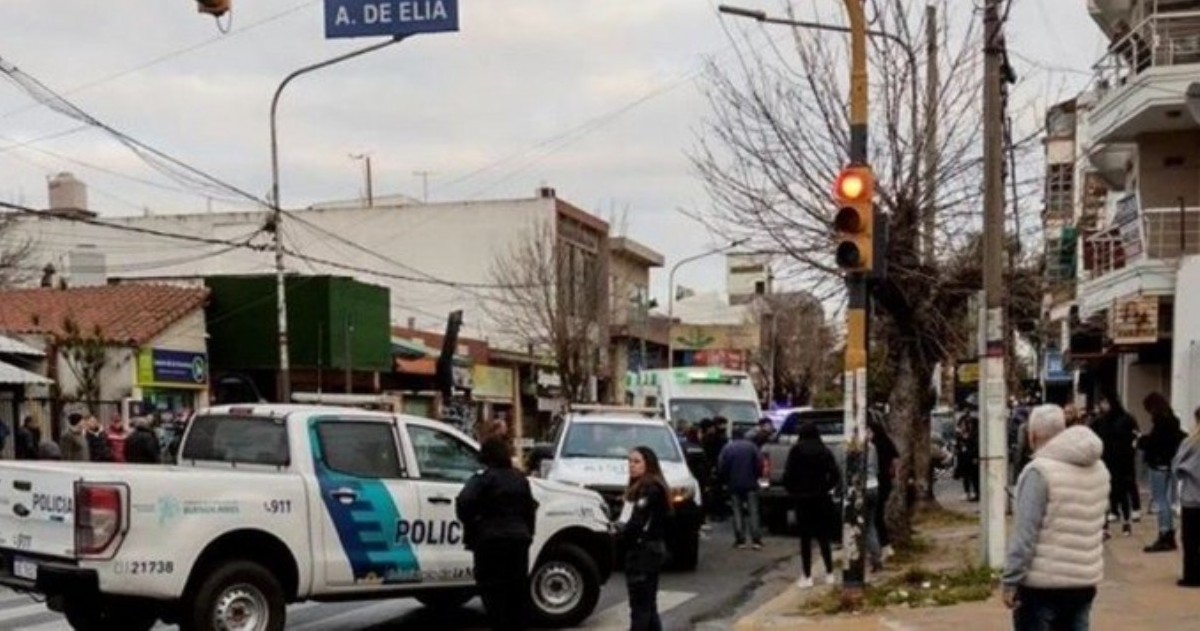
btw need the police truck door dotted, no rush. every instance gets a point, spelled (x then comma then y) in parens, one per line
(444, 464)
(366, 501)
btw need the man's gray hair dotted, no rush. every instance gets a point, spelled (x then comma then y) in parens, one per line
(1047, 421)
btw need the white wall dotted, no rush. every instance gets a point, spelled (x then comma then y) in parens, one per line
(450, 241)
(1185, 352)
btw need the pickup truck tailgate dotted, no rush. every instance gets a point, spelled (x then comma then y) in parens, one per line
(37, 511)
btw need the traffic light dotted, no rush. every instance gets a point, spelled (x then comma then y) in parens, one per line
(854, 223)
(215, 8)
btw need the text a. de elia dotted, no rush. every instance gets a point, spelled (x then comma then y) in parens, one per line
(394, 11)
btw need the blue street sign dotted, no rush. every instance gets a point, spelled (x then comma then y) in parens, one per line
(393, 18)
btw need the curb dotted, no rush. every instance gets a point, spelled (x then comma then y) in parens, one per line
(763, 617)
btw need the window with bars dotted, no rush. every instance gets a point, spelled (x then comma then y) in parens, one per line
(1060, 190)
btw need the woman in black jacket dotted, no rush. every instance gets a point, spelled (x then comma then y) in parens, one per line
(642, 533)
(810, 475)
(1118, 431)
(1160, 446)
(498, 514)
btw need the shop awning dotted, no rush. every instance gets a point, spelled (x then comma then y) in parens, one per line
(405, 351)
(12, 375)
(9, 346)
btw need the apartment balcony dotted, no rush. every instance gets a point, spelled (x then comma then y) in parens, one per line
(1136, 255)
(1141, 82)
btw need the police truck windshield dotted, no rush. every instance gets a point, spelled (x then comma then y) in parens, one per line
(614, 440)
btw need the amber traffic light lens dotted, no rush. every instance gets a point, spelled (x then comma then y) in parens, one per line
(848, 220)
(851, 186)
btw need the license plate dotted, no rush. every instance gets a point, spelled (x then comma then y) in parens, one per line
(24, 568)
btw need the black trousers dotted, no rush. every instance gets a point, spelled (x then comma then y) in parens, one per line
(1120, 494)
(815, 516)
(502, 575)
(885, 491)
(1190, 539)
(643, 562)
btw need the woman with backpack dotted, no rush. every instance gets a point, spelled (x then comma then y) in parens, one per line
(643, 532)
(810, 476)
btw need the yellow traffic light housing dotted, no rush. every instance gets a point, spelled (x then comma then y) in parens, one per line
(215, 8)
(854, 223)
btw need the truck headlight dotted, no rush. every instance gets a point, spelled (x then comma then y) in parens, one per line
(681, 494)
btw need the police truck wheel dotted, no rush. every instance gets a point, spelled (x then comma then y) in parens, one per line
(564, 587)
(238, 596)
(446, 599)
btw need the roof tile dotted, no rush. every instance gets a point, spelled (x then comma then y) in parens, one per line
(125, 314)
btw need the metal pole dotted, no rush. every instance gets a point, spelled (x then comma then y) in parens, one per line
(992, 386)
(932, 85)
(370, 184)
(284, 384)
(671, 293)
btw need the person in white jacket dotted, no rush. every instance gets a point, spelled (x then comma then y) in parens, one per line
(1056, 556)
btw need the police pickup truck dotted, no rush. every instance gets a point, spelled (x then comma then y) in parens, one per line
(273, 504)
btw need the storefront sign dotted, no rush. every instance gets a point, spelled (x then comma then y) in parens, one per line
(968, 373)
(1135, 321)
(179, 369)
(1128, 222)
(1054, 371)
(492, 384)
(731, 359)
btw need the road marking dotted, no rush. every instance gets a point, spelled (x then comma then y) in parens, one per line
(617, 616)
(14, 613)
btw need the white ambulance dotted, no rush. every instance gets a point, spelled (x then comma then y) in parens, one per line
(273, 504)
(693, 394)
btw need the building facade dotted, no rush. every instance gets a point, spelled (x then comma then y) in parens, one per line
(1136, 208)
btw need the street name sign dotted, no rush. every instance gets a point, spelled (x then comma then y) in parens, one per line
(392, 18)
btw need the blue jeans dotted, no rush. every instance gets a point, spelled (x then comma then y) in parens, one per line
(750, 499)
(1053, 609)
(1162, 488)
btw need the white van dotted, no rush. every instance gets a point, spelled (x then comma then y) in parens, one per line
(693, 394)
(591, 449)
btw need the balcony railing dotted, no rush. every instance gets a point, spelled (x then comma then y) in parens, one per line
(1163, 39)
(1157, 234)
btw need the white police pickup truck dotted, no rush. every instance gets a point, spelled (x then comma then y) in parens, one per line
(273, 504)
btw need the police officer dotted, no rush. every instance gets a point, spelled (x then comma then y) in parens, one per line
(497, 511)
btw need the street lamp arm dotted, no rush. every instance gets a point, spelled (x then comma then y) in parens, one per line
(288, 79)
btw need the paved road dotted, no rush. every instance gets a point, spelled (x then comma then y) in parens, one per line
(725, 578)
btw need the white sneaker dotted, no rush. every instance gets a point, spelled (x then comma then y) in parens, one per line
(888, 552)
(805, 582)
(1137, 516)
(831, 579)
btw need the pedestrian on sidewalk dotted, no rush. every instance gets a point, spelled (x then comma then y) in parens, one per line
(810, 477)
(97, 440)
(1186, 467)
(644, 536)
(498, 512)
(967, 446)
(73, 445)
(1118, 432)
(887, 455)
(1056, 556)
(1160, 447)
(738, 467)
(142, 446)
(29, 436)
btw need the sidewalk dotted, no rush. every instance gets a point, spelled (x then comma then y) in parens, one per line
(1139, 592)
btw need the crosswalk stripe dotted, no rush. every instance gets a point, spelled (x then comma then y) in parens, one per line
(617, 616)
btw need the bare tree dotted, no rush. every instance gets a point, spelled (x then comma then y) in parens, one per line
(796, 346)
(15, 251)
(775, 141)
(554, 301)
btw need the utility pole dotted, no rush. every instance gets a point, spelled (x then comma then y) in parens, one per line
(992, 385)
(424, 175)
(932, 85)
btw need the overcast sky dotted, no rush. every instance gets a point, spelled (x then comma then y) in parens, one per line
(596, 98)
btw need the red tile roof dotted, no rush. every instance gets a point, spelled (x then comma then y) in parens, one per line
(127, 315)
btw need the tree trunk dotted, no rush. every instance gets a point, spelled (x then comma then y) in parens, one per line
(910, 427)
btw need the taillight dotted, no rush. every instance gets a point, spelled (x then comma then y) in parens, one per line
(99, 518)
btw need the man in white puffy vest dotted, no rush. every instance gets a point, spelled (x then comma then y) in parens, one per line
(1056, 556)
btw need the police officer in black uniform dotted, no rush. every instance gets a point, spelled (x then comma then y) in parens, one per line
(497, 511)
